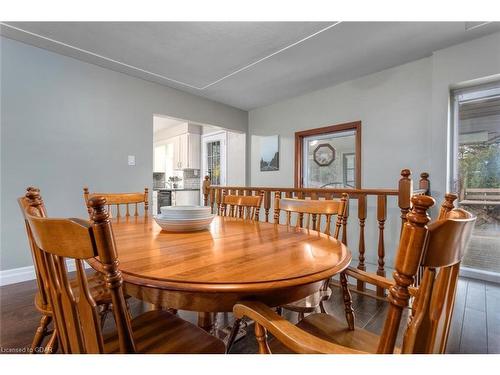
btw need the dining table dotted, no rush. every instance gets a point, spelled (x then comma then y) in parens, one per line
(209, 271)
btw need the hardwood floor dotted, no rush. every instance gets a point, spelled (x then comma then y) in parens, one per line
(475, 326)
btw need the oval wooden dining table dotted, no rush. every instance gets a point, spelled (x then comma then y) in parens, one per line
(233, 260)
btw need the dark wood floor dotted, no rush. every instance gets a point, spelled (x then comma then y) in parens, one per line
(475, 327)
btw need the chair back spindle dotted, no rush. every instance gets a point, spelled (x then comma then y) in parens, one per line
(241, 206)
(310, 212)
(120, 199)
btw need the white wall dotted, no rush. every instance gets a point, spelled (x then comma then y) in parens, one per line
(236, 163)
(392, 105)
(66, 123)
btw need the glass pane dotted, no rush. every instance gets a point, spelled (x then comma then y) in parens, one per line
(329, 160)
(478, 179)
(213, 162)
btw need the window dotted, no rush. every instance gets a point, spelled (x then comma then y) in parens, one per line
(329, 157)
(213, 162)
(476, 172)
(349, 169)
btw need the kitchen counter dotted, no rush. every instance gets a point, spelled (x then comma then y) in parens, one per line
(175, 189)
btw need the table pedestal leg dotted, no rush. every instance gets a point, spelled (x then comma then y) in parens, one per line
(206, 321)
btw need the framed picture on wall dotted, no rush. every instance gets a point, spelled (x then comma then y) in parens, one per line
(269, 153)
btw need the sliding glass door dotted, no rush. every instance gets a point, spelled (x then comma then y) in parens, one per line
(476, 177)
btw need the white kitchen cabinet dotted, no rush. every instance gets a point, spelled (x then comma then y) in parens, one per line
(186, 151)
(185, 197)
(176, 144)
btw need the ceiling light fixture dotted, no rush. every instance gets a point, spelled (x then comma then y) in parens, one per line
(165, 77)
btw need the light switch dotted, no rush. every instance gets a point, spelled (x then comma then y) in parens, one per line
(131, 160)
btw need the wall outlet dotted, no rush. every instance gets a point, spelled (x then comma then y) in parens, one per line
(131, 160)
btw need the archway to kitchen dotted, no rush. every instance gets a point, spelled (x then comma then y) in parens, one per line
(184, 152)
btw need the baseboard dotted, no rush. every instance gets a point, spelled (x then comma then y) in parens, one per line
(472, 273)
(18, 275)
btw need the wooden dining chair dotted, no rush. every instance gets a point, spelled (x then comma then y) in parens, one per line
(33, 204)
(438, 247)
(120, 199)
(75, 313)
(313, 214)
(380, 281)
(241, 206)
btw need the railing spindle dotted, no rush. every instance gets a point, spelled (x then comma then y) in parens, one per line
(267, 204)
(361, 218)
(381, 217)
(218, 201)
(300, 195)
(314, 196)
(344, 225)
(277, 197)
(212, 199)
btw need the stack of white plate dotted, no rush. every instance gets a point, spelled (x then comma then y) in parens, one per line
(184, 218)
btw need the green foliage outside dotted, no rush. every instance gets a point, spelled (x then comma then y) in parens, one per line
(479, 165)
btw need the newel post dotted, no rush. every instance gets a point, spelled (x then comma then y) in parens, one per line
(106, 248)
(409, 254)
(405, 189)
(206, 190)
(146, 203)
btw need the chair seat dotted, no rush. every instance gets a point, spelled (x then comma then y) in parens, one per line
(97, 289)
(310, 303)
(162, 332)
(334, 330)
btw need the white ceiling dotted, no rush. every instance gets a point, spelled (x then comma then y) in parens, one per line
(245, 64)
